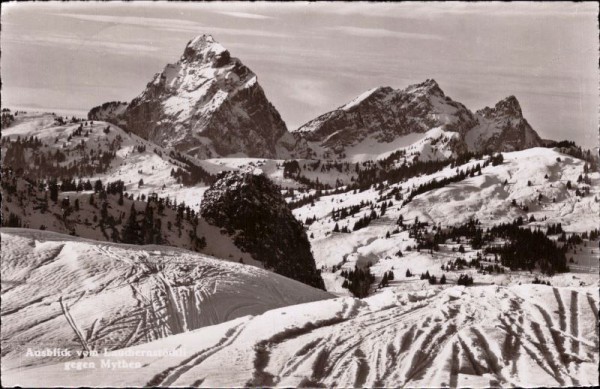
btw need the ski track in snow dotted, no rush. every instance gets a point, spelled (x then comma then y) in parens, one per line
(430, 338)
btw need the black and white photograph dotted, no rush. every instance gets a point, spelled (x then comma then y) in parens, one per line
(300, 194)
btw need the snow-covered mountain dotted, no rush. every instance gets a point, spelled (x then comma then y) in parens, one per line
(384, 115)
(502, 128)
(208, 104)
(60, 291)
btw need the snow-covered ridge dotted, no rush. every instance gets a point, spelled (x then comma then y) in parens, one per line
(359, 99)
(387, 114)
(136, 158)
(120, 295)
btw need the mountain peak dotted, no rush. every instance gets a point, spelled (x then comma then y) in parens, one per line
(204, 48)
(431, 83)
(429, 86)
(509, 105)
(207, 92)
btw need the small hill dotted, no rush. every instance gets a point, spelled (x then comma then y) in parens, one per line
(252, 210)
(60, 291)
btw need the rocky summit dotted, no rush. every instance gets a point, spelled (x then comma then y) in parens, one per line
(208, 104)
(502, 128)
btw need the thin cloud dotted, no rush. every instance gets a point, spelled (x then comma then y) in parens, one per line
(314, 93)
(133, 20)
(382, 33)
(245, 15)
(440, 9)
(216, 31)
(70, 41)
(176, 25)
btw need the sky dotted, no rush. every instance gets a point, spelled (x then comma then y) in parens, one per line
(311, 58)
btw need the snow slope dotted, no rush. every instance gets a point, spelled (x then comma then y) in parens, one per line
(487, 198)
(153, 164)
(484, 197)
(524, 336)
(118, 295)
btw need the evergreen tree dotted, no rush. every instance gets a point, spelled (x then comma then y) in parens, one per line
(53, 187)
(131, 232)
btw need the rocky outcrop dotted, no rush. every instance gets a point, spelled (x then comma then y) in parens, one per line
(111, 112)
(502, 128)
(251, 209)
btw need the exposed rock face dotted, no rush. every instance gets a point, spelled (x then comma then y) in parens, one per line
(385, 114)
(208, 104)
(109, 112)
(252, 210)
(502, 128)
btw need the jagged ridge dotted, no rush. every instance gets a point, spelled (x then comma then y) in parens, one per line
(387, 113)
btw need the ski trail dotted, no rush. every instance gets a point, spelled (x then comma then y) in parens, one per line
(73, 324)
(531, 353)
(574, 327)
(454, 366)
(391, 360)
(470, 357)
(490, 357)
(561, 310)
(512, 345)
(302, 355)
(407, 339)
(170, 375)
(91, 332)
(574, 322)
(340, 363)
(263, 354)
(23, 306)
(383, 324)
(593, 306)
(319, 365)
(432, 344)
(546, 353)
(556, 336)
(362, 370)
